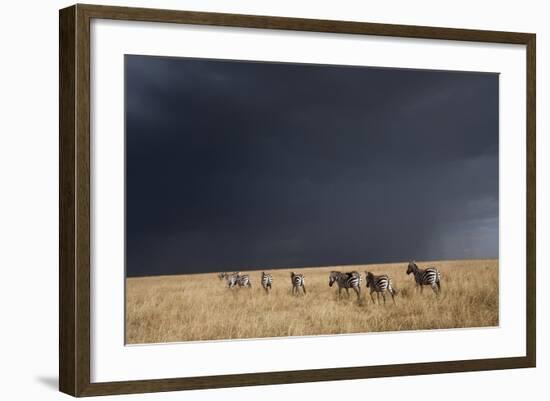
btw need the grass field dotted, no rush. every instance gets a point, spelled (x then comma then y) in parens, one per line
(201, 307)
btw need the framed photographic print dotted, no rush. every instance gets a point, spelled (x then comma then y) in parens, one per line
(251, 188)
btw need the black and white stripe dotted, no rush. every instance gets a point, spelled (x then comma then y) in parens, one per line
(430, 276)
(298, 282)
(238, 280)
(267, 281)
(244, 281)
(232, 279)
(227, 276)
(380, 284)
(346, 280)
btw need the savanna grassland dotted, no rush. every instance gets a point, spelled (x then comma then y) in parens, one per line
(201, 307)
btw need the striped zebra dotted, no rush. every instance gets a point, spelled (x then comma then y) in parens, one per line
(244, 281)
(430, 276)
(232, 279)
(298, 281)
(226, 275)
(238, 280)
(347, 281)
(267, 281)
(380, 284)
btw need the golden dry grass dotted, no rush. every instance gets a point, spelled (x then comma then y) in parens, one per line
(201, 307)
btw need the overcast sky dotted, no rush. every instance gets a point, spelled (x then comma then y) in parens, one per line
(235, 165)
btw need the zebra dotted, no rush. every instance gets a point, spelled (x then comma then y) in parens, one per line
(298, 282)
(430, 276)
(232, 279)
(226, 275)
(244, 281)
(267, 281)
(380, 284)
(237, 279)
(347, 281)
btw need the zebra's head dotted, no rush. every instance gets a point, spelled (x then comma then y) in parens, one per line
(412, 267)
(333, 277)
(369, 277)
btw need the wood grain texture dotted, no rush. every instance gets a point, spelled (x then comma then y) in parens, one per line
(301, 376)
(67, 294)
(301, 24)
(531, 230)
(74, 199)
(82, 200)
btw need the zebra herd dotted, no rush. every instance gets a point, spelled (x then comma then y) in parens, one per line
(380, 285)
(235, 279)
(346, 281)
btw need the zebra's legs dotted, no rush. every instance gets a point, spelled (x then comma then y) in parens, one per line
(384, 296)
(421, 289)
(347, 291)
(358, 292)
(339, 293)
(304, 288)
(378, 297)
(392, 295)
(371, 297)
(435, 288)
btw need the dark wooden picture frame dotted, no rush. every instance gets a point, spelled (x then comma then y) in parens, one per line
(74, 204)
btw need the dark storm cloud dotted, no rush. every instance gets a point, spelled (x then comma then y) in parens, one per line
(236, 165)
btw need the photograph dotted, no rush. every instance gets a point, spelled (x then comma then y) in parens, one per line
(277, 199)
